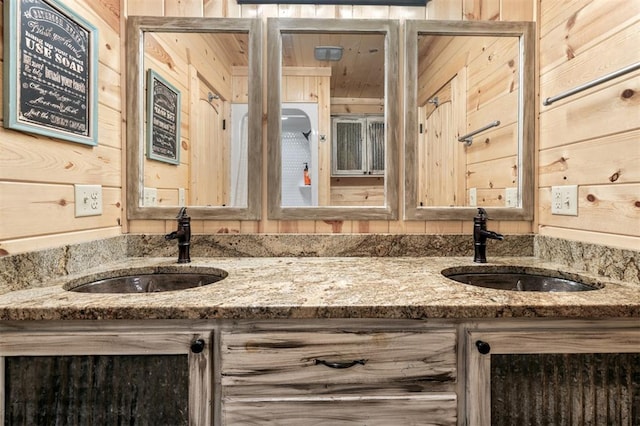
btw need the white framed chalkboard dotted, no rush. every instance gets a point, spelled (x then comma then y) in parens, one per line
(163, 119)
(50, 71)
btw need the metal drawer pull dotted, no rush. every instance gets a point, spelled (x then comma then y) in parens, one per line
(340, 364)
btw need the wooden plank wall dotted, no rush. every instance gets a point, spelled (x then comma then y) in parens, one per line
(169, 55)
(37, 173)
(491, 68)
(515, 10)
(591, 139)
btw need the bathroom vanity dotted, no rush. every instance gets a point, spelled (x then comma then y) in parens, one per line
(288, 340)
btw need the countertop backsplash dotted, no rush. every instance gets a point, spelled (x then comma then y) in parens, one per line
(35, 269)
(619, 264)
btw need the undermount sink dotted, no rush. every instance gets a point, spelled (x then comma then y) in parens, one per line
(516, 278)
(146, 281)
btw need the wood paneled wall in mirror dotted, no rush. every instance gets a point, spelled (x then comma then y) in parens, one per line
(469, 132)
(333, 119)
(194, 117)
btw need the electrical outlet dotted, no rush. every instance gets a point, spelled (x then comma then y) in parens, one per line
(88, 200)
(150, 197)
(511, 197)
(181, 197)
(473, 197)
(564, 200)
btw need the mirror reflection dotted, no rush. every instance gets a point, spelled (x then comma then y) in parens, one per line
(194, 129)
(469, 126)
(465, 84)
(331, 146)
(209, 71)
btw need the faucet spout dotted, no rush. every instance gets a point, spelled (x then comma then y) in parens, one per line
(491, 234)
(183, 235)
(480, 235)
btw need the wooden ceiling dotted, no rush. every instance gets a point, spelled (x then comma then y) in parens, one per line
(360, 72)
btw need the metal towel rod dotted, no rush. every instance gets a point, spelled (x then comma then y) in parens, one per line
(593, 83)
(468, 138)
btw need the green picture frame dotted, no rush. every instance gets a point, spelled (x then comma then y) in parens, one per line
(163, 119)
(50, 71)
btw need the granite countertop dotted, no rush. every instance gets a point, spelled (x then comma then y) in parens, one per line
(322, 287)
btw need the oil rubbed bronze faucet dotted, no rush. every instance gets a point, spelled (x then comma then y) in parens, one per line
(183, 234)
(480, 235)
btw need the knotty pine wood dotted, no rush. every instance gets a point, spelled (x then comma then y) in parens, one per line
(574, 164)
(330, 11)
(107, 15)
(586, 29)
(590, 139)
(37, 173)
(610, 209)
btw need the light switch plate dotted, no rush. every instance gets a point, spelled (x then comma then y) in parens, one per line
(88, 200)
(564, 200)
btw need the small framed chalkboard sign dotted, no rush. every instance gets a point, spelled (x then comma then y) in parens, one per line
(163, 119)
(50, 69)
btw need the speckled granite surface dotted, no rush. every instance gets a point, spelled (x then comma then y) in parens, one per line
(335, 245)
(602, 260)
(318, 276)
(323, 287)
(36, 268)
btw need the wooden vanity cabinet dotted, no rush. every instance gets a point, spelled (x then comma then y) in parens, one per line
(552, 372)
(340, 376)
(94, 372)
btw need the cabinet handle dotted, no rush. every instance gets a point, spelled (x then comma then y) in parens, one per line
(347, 364)
(197, 346)
(483, 347)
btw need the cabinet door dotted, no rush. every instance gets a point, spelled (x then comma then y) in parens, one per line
(375, 145)
(349, 150)
(560, 377)
(116, 377)
(358, 146)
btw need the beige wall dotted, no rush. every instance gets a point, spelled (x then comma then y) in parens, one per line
(37, 174)
(591, 139)
(437, 9)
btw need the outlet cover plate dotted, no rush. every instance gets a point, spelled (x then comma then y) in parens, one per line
(150, 197)
(564, 200)
(88, 200)
(511, 197)
(473, 197)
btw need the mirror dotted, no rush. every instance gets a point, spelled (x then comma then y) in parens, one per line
(194, 117)
(469, 120)
(333, 119)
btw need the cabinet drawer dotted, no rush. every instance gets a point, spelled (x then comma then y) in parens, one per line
(338, 357)
(434, 409)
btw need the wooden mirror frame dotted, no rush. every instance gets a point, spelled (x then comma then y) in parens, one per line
(526, 117)
(135, 80)
(390, 29)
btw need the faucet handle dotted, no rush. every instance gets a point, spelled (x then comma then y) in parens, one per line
(481, 216)
(182, 213)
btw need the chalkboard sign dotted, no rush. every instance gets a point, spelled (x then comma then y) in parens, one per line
(163, 120)
(50, 71)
